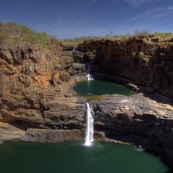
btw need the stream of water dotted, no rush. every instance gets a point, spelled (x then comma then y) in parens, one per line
(89, 126)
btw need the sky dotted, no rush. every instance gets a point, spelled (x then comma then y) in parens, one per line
(69, 19)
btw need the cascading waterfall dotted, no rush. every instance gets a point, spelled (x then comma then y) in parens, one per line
(89, 75)
(74, 49)
(90, 126)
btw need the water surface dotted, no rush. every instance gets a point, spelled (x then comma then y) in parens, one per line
(74, 157)
(97, 87)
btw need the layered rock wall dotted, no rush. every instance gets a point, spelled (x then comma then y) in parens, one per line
(147, 61)
(138, 120)
(33, 83)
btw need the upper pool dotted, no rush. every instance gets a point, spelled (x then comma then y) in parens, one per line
(98, 87)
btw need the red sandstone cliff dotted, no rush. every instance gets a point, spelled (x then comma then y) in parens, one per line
(33, 79)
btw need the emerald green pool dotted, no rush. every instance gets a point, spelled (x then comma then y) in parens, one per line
(74, 157)
(97, 87)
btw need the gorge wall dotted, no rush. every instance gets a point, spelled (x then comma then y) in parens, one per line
(147, 61)
(138, 120)
(35, 89)
(142, 119)
(38, 104)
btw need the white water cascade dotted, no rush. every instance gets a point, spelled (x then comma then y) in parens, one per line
(90, 126)
(89, 75)
(74, 49)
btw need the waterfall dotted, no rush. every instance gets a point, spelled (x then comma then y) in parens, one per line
(89, 75)
(74, 49)
(90, 127)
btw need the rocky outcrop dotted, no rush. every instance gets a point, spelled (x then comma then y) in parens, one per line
(36, 96)
(64, 113)
(9, 132)
(146, 61)
(51, 136)
(34, 89)
(138, 120)
(26, 66)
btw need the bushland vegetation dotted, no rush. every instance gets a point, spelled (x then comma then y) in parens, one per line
(119, 36)
(13, 33)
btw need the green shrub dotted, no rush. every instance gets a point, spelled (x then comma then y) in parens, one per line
(12, 33)
(146, 60)
(163, 34)
(3, 36)
(94, 51)
(43, 101)
(133, 54)
(11, 100)
(27, 84)
(13, 91)
(141, 54)
(69, 70)
(56, 63)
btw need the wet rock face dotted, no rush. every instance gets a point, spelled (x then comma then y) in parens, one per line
(145, 60)
(138, 120)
